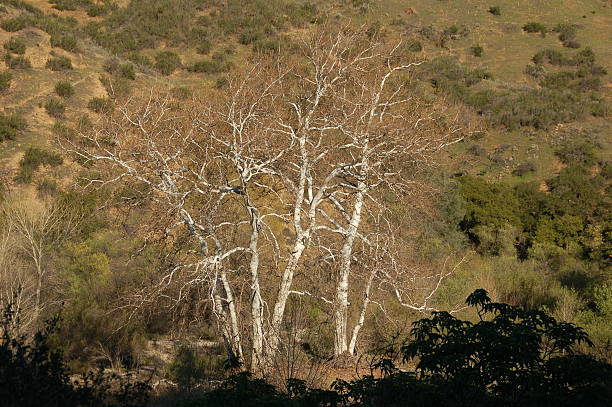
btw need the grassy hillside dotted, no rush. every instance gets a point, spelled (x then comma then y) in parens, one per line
(522, 203)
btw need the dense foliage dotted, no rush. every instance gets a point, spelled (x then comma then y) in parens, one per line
(509, 357)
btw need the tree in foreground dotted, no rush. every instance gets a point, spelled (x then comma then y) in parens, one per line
(34, 373)
(510, 357)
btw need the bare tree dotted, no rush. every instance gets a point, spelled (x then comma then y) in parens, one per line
(258, 173)
(32, 231)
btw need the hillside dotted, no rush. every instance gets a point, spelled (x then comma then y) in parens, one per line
(152, 154)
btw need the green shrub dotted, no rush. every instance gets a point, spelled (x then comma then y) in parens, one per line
(524, 169)
(116, 86)
(17, 62)
(181, 93)
(267, 46)
(186, 369)
(139, 59)
(63, 131)
(66, 42)
(221, 82)
(567, 34)
(33, 159)
(11, 125)
(97, 10)
(210, 66)
(476, 50)
(574, 151)
(55, 108)
(495, 10)
(15, 46)
(249, 35)
(100, 105)
(414, 46)
(116, 68)
(5, 80)
(533, 27)
(46, 187)
(59, 63)
(64, 89)
(204, 47)
(167, 62)
(34, 372)
(127, 71)
(14, 24)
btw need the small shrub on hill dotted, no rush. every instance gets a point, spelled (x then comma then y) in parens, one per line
(15, 46)
(64, 89)
(414, 46)
(267, 46)
(204, 47)
(249, 35)
(55, 108)
(533, 27)
(11, 125)
(5, 80)
(116, 68)
(524, 169)
(14, 24)
(59, 63)
(100, 105)
(567, 34)
(17, 62)
(97, 10)
(33, 159)
(495, 10)
(66, 42)
(167, 62)
(139, 59)
(476, 50)
(210, 66)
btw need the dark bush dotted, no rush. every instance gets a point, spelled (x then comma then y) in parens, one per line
(139, 59)
(167, 62)
(182, 93)
(533, 27)
(17, 62)
(11, 125)
(55, 108)
(581, 152)
(15, 46)
(14, 24)
(65, 41)
(221, 82)
(210, 66)
(477, 150)
(458, 363)
(567, 34)
(204, 47)
(267, 46)
(59, 63)
(64, 89)
(33, 373)
(249, 35)
(33, 159)
(97, 10)
(495, 10)
(5, 80)
(476, 50)
(100, 105)
(414, 46)
(524, 169)
(116, 68)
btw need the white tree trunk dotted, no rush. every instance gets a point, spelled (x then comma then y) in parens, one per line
(346, 254)
(362, 314)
